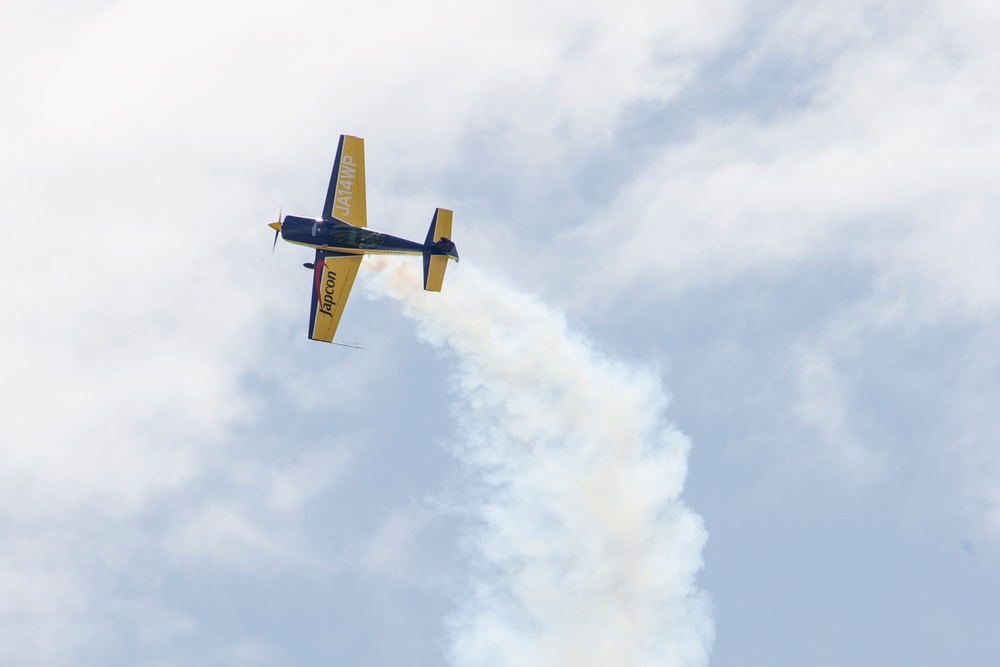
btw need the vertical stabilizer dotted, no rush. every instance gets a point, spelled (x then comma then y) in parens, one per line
(438, 249)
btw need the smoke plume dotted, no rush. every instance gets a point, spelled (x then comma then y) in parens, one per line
(583, 552)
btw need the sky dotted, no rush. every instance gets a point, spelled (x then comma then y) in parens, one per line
(713, 384)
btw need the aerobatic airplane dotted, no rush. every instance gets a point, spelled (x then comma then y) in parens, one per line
(341, 239)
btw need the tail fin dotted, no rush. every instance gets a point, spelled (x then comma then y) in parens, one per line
(438, 249)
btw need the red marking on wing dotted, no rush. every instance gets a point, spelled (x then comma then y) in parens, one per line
(318, 275)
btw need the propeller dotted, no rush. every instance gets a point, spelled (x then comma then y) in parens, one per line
(276, 226)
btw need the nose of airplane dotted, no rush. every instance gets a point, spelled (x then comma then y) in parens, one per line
(276, 226)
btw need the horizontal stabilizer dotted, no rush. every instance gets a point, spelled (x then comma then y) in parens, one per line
(434, 266)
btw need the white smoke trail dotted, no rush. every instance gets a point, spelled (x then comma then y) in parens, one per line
(587, 556)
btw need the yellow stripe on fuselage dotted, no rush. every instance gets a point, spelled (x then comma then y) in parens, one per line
(356, 251)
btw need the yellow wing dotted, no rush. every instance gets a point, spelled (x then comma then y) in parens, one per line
(345, 198)
(333, 277)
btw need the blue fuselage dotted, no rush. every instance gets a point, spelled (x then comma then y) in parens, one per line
(339, 236)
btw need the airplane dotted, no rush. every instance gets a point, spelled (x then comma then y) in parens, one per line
(341, 239)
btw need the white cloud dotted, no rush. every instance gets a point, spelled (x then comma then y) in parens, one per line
(882, 163)
(146, 145)
(824, 409)
(891, 155)
(45, 611)
(585, 553)
(142, 142)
